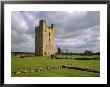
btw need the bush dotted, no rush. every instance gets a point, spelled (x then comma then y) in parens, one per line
(53, 56)
(66, 57)
(21, 56)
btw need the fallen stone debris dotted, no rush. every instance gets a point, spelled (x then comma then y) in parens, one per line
(55, 67)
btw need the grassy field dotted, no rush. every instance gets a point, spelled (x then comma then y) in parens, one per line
(29, 63)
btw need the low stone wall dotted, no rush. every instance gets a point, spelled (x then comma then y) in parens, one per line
(55, 67)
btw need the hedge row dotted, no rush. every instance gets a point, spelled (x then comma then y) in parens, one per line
(79, 68)
(78, 58)
(96, 58)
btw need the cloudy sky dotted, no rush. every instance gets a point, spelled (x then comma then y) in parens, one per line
(76, 31)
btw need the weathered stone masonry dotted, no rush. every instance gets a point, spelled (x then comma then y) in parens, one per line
(44, 39)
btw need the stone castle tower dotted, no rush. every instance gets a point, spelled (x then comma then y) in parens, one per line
(44, 39)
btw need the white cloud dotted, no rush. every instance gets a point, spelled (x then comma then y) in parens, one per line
(77, 13)
(75, 30)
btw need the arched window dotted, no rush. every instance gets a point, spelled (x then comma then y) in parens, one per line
(49, 33)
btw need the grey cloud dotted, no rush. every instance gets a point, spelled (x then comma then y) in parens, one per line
(68, 25)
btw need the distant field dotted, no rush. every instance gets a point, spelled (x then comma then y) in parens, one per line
(28, 63)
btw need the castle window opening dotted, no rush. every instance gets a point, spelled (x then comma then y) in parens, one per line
(44, 53)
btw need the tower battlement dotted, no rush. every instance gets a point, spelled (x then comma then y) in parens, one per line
(44, 39)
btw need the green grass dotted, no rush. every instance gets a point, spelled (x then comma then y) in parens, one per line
(60, 73)
(37, 62)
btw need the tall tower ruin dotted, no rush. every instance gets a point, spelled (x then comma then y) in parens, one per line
(44, 39)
